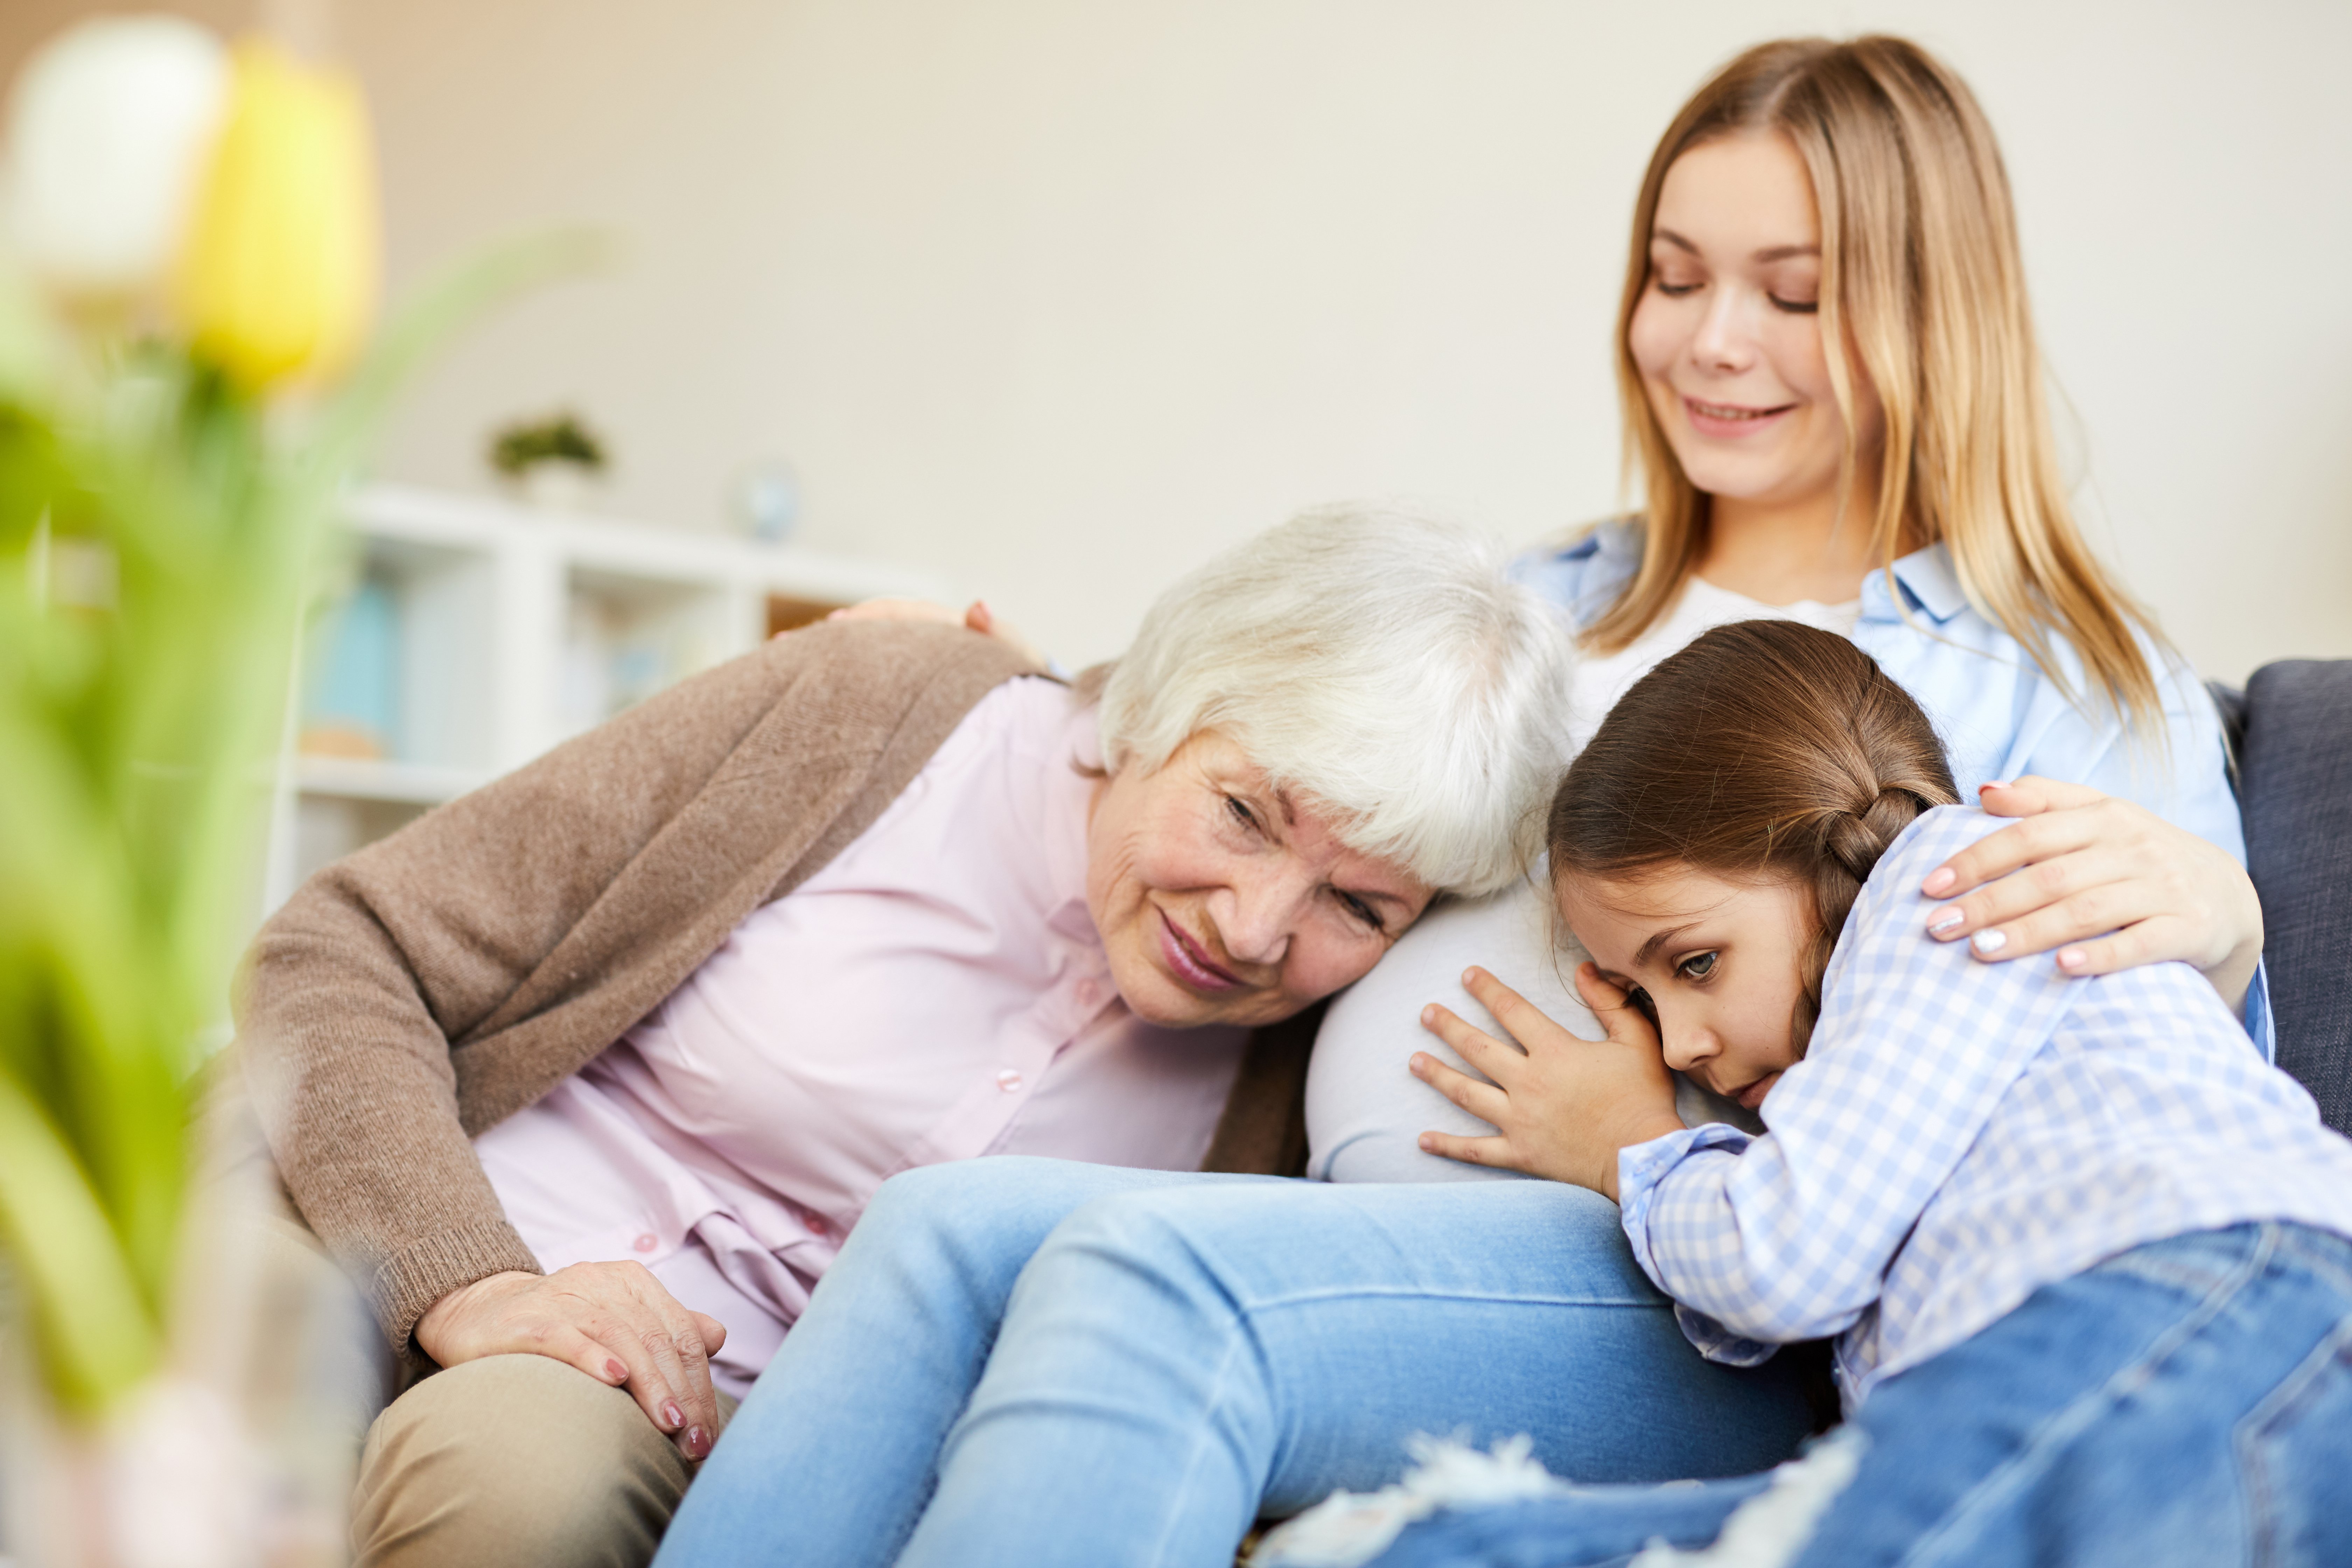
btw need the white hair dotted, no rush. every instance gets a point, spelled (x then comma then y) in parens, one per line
(1382, 663)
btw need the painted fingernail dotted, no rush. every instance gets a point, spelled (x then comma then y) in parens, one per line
(1948, 922)
(1941, 877)
(1989, 941)
(697, 1444)
(2070, 958)
(1997, 784)
(672, 1416)
(616, 1372)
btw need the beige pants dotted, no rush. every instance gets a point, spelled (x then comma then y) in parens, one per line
(515, 1461)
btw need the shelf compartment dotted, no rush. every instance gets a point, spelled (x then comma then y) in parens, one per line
(395, 668)
(791, 612)
(628, 636)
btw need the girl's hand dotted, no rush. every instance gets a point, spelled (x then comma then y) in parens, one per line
(2085, 865)
(1563, 1106)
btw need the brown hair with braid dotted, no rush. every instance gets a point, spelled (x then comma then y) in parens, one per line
(1763, 750)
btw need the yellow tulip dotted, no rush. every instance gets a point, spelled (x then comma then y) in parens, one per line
(279, 274)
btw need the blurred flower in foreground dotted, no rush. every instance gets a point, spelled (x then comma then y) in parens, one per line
(279, 274)
(107, 130)
(162, 523)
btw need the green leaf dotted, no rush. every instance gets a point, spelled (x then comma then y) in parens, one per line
(160, 533)
(92, 1327)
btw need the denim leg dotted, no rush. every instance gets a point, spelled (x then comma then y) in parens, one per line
(1598, 1528)
(1172, 1359)
(2295, 1456)
(2184, 1404)
(833, 1456)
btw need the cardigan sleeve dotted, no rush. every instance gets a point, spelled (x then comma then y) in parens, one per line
(417, 992)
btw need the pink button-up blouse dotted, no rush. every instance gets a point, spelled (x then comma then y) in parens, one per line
(936, 993)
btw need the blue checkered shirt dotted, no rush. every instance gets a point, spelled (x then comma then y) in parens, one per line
(1960, 1135)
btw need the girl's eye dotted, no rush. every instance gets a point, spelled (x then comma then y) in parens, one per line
(1674, 290)
(1643, 1004)
(1795, 307)
(1697, 966)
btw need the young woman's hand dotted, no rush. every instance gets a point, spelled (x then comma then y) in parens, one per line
(1562, 1107)
(2109, 884)
(977, 617)
(615, 1321)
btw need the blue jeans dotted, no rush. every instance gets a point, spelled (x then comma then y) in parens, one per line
(1036, 1362)
(2185, 1405)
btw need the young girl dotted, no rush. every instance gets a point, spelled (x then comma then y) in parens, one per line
(2084, 1252)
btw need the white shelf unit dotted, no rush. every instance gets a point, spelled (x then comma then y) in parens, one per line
(517, 628)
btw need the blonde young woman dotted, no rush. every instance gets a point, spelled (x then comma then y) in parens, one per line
(1904, 494)
(1830, 379)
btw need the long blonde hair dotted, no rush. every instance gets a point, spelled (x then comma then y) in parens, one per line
(1920, 272)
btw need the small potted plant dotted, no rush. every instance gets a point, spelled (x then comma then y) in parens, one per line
(551, 461)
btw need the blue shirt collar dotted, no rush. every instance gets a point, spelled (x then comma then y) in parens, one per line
(1929, 585)
(1612, 552)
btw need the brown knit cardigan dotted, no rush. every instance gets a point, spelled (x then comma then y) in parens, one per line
(436, 983)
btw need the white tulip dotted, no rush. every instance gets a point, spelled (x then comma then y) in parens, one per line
(109, 124)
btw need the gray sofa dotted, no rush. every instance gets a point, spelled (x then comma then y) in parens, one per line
(2291, 739)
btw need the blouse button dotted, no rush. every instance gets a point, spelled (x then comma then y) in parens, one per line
(647, 1242)
(1089, 993)
(1008, 1082)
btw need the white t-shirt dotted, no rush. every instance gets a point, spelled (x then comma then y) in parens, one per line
(1600, 681)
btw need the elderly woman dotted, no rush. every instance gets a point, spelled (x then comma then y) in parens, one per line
(587, 1075)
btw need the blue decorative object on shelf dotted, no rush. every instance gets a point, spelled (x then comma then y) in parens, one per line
(354, 708)
(766, 501)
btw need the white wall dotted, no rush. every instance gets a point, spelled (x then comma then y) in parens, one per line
(1059, 297)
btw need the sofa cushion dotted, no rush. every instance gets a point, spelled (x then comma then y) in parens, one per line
(2295, 784)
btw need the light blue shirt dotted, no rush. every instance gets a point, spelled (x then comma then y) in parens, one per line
(1998, 715)
(1960, 1135)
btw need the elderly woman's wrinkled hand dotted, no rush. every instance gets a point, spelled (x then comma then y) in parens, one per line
(1561, 1106)
(2109, 884)
(615, 1321)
